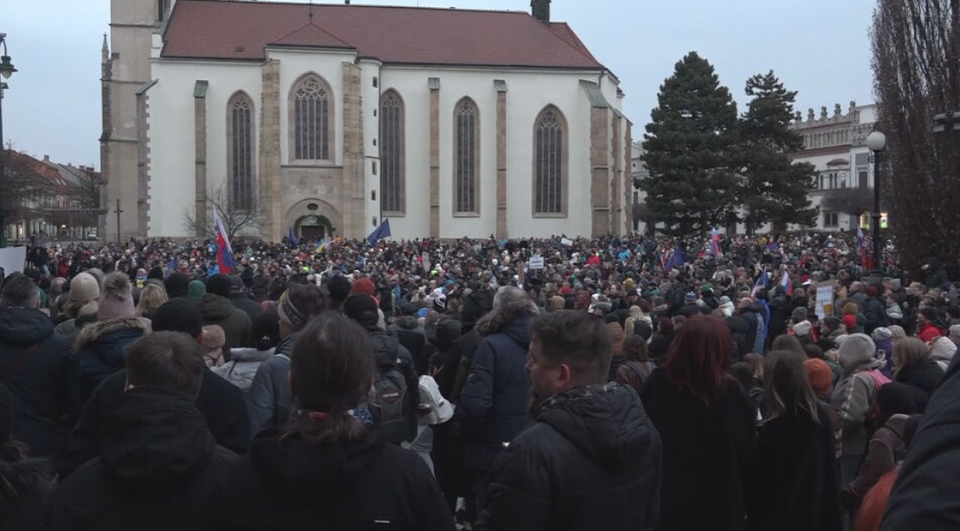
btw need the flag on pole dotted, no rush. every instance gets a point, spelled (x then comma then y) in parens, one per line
(715, 241)
(225, 259)
(381, 232)
(762, 283)
(294, 241)
(321, 245)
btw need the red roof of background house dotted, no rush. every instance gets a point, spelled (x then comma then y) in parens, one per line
(42, 169)
(206, 29)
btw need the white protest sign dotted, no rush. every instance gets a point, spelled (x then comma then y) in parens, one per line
(536, 263)
(824, 306)
(12, 259)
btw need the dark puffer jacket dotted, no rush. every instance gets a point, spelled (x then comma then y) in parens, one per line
(493, 404)
(236, 324)
(739, 327)
(157, 469)
(591, 461)
(923, 377)
(296, 485)
(99, 352)
(413, 338)
(34, 364)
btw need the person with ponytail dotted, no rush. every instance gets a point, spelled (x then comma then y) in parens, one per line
(329, 466)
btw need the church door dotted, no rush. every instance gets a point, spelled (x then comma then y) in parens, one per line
(312, 233)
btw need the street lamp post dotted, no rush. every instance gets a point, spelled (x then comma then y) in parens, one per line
(877, 142)
(6, 70)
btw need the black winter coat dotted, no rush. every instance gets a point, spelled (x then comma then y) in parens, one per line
(220, 402)
(592, 461)
(100, 352)
(413, 338)
(295, 485)
(779, 315)
(236, 324)
(750, 315)
(923, 377)
(660, 346)
(25, 486)
(157, 470)
(246, 305)
(739, 327)
(876, 314)
(925, 494)
(708, 455)
(493, 404)
(390, 353)
(797, 486)
(34, 364)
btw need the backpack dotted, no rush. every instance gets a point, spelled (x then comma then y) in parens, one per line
(389, 401)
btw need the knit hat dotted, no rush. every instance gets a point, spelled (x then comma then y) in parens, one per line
(236, 285)
(690, 297)
(116, 301)
(364, 286)
(955, 330)
(178, 315)
(339, 288)
(832, 322)
(362, 309)
(725, 300)
(219, 285)
(176, 285)
(819, 375)
(802, 328)
(850, 321)
(195, 291)
(857, 352)
(943, 349)
(84, 288)
(799, 314)
(881, 333)
(156, 273)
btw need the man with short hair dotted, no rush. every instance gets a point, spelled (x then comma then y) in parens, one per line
(592, 458)
(34, 363)
(158, 462)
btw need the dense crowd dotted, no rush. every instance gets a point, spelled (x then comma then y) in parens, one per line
(613, 383)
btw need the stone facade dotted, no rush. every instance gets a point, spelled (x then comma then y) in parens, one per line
(501, 87)
(200, 141)
(270, 182)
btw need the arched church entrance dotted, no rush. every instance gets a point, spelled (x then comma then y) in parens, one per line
(313, 228)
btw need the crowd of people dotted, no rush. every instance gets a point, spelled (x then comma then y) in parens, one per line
(612, 383)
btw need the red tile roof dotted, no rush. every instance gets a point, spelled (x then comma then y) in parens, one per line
(206, 29)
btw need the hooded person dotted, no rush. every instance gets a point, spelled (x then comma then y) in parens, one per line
(270, 401)
(726, 306)
(854, 397)
(244, 362)
(330, 465)
(942, 351)
(220, 403)
(34, 363)
(883, 339)
(158, 462)
(492, 405)
(216, 308)
(411, 333)
(99, 350)
(591, 446)
(395, 368)
(241, 301)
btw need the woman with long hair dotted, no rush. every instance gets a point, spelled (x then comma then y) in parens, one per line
(796, 483)
(151, 298)
(707, 426)
(328, 466)
(636, 367)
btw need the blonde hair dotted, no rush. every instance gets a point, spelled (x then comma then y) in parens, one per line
(897, 333)
(908, 351)
(151, 298)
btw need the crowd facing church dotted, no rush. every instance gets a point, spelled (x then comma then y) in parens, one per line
(613, 383)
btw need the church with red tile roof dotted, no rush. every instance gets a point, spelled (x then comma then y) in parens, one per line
(328, 119)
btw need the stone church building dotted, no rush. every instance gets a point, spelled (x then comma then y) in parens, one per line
(330, 118)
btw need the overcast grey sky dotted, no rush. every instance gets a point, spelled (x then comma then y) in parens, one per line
(820, 48)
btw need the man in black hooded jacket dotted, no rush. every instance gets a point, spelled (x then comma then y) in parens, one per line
(592, 459)
(158, 462)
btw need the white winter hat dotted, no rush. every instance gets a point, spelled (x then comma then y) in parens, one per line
(802, 328)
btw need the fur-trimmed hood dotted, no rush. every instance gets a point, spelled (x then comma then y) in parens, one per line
(95, 332)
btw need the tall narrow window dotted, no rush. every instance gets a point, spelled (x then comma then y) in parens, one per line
(550, 163)
(311, 108)
(466, 157)
(391, 154)
(240, 151)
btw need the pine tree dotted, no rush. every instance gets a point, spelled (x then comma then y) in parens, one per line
(774, 189)
(689, 151)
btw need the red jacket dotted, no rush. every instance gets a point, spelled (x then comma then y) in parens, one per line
(929, 332)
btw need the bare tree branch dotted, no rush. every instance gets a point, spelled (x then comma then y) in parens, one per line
(235, 220)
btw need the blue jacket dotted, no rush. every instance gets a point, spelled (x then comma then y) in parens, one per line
(493, 404)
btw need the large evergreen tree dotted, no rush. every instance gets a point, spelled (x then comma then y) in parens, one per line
(689, 151)
(773, 188)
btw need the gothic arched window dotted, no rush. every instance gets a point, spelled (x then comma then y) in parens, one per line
(550, 163)
(240, 151)
(466, 161)
(311, 112)
(392, 184)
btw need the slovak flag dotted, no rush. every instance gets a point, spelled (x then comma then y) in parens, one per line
(715, 241)
(225, 259)
(785, 282)
(865, 257)
(761, 283)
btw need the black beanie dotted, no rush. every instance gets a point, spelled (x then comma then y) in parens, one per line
(339, 288)
(178, 315)
(176, 285)
(362, 309)
(219, 285)
(156, 272)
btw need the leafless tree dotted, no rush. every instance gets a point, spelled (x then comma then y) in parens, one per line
(23, 189)
(916, 62)
(235, 220)
(853, 201)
